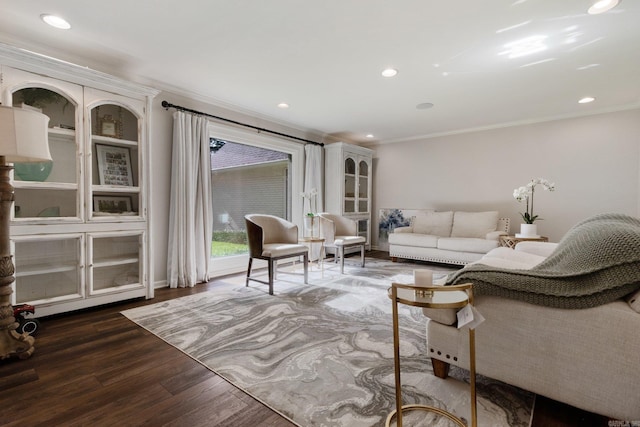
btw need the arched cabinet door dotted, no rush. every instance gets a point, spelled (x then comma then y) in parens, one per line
(48, 192)
(115, 160)
(349, 185)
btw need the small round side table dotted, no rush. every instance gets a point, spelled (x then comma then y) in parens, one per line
(321, 254)
(455, 296)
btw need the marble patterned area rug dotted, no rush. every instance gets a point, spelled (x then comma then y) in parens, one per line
(321, 354)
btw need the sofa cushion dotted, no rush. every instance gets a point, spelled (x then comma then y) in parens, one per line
(474, 224)
(435, 223)
(413, 239)
(508, 258)
(446, 316)
(463, 244)
(634, 300)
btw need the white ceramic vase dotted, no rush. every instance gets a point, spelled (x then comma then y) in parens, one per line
(529, 230)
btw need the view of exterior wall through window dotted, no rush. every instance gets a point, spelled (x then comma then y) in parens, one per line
(245, 180)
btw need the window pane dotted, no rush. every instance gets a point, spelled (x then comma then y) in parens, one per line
(245, 180)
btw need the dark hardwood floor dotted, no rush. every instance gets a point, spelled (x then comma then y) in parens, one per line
(96, 368)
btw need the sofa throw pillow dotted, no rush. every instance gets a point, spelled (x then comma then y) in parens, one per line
(634, 300)
(474, 224)
(434, 223)
(420, 212)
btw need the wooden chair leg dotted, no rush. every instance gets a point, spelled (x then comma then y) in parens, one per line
(394, 259)
(249, 271)
(341, 259)
(271, 274)
(440, 368)
(362, 255)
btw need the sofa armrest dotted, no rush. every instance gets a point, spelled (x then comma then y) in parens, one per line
(495, 235)
(537, 248)
(408, 229)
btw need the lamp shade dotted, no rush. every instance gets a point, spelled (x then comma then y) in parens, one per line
(23, 135)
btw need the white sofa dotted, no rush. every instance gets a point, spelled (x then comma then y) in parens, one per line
(448, 237)
(588, 358)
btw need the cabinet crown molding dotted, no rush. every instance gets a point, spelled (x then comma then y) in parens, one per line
(52, 67)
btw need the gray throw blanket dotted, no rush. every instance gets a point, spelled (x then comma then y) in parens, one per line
(596, 262)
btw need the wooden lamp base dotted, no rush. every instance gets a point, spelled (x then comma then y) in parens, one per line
(11, 343)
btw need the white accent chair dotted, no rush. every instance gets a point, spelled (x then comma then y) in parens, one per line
(340, 233)
(272, 238)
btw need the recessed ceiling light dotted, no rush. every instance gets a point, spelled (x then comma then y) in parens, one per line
(55, 21)
(389, 72)
(586, 100)
(424, 106)
(601, 6)
(369, 135)
(283, 105)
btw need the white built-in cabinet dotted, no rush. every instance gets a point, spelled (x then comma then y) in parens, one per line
(348, 184)
(80, 224)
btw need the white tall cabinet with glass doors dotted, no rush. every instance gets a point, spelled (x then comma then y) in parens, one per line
(80, 224)
(348, 184)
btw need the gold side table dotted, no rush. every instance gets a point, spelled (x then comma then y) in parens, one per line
(456, 296)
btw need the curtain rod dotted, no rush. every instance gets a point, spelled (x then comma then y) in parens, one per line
(168, 105)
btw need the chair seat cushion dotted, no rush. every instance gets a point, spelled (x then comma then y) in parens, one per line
(349, 240)
(276, 250)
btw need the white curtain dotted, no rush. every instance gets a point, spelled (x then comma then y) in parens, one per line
(190, 212)
(313, 178)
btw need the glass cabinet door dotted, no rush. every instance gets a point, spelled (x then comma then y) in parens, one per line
(114, 161)
(115, 262)
(48, 269)
(48, 189)
(363, 186)
(349, 185)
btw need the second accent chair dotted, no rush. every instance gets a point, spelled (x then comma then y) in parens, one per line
(340, 233)
(272, 238)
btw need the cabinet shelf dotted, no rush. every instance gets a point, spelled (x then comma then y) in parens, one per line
(44, 269)
(62, 134)
(114, 141)
(114, 189)
(116, 260)
(37, 185)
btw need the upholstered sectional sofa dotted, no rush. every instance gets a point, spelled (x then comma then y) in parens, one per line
(448, 237)
(588, 358)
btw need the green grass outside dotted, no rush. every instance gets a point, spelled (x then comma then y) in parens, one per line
(220, 249)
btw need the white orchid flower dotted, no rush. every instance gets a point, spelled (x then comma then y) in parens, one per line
(526, 193)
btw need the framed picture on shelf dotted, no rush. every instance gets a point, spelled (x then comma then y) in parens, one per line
(114, 165)
(109, 126)
(112, 204)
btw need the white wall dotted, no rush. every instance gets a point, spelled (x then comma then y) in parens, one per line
(594, 161)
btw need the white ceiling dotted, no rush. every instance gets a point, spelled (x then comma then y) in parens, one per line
(324, 58)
